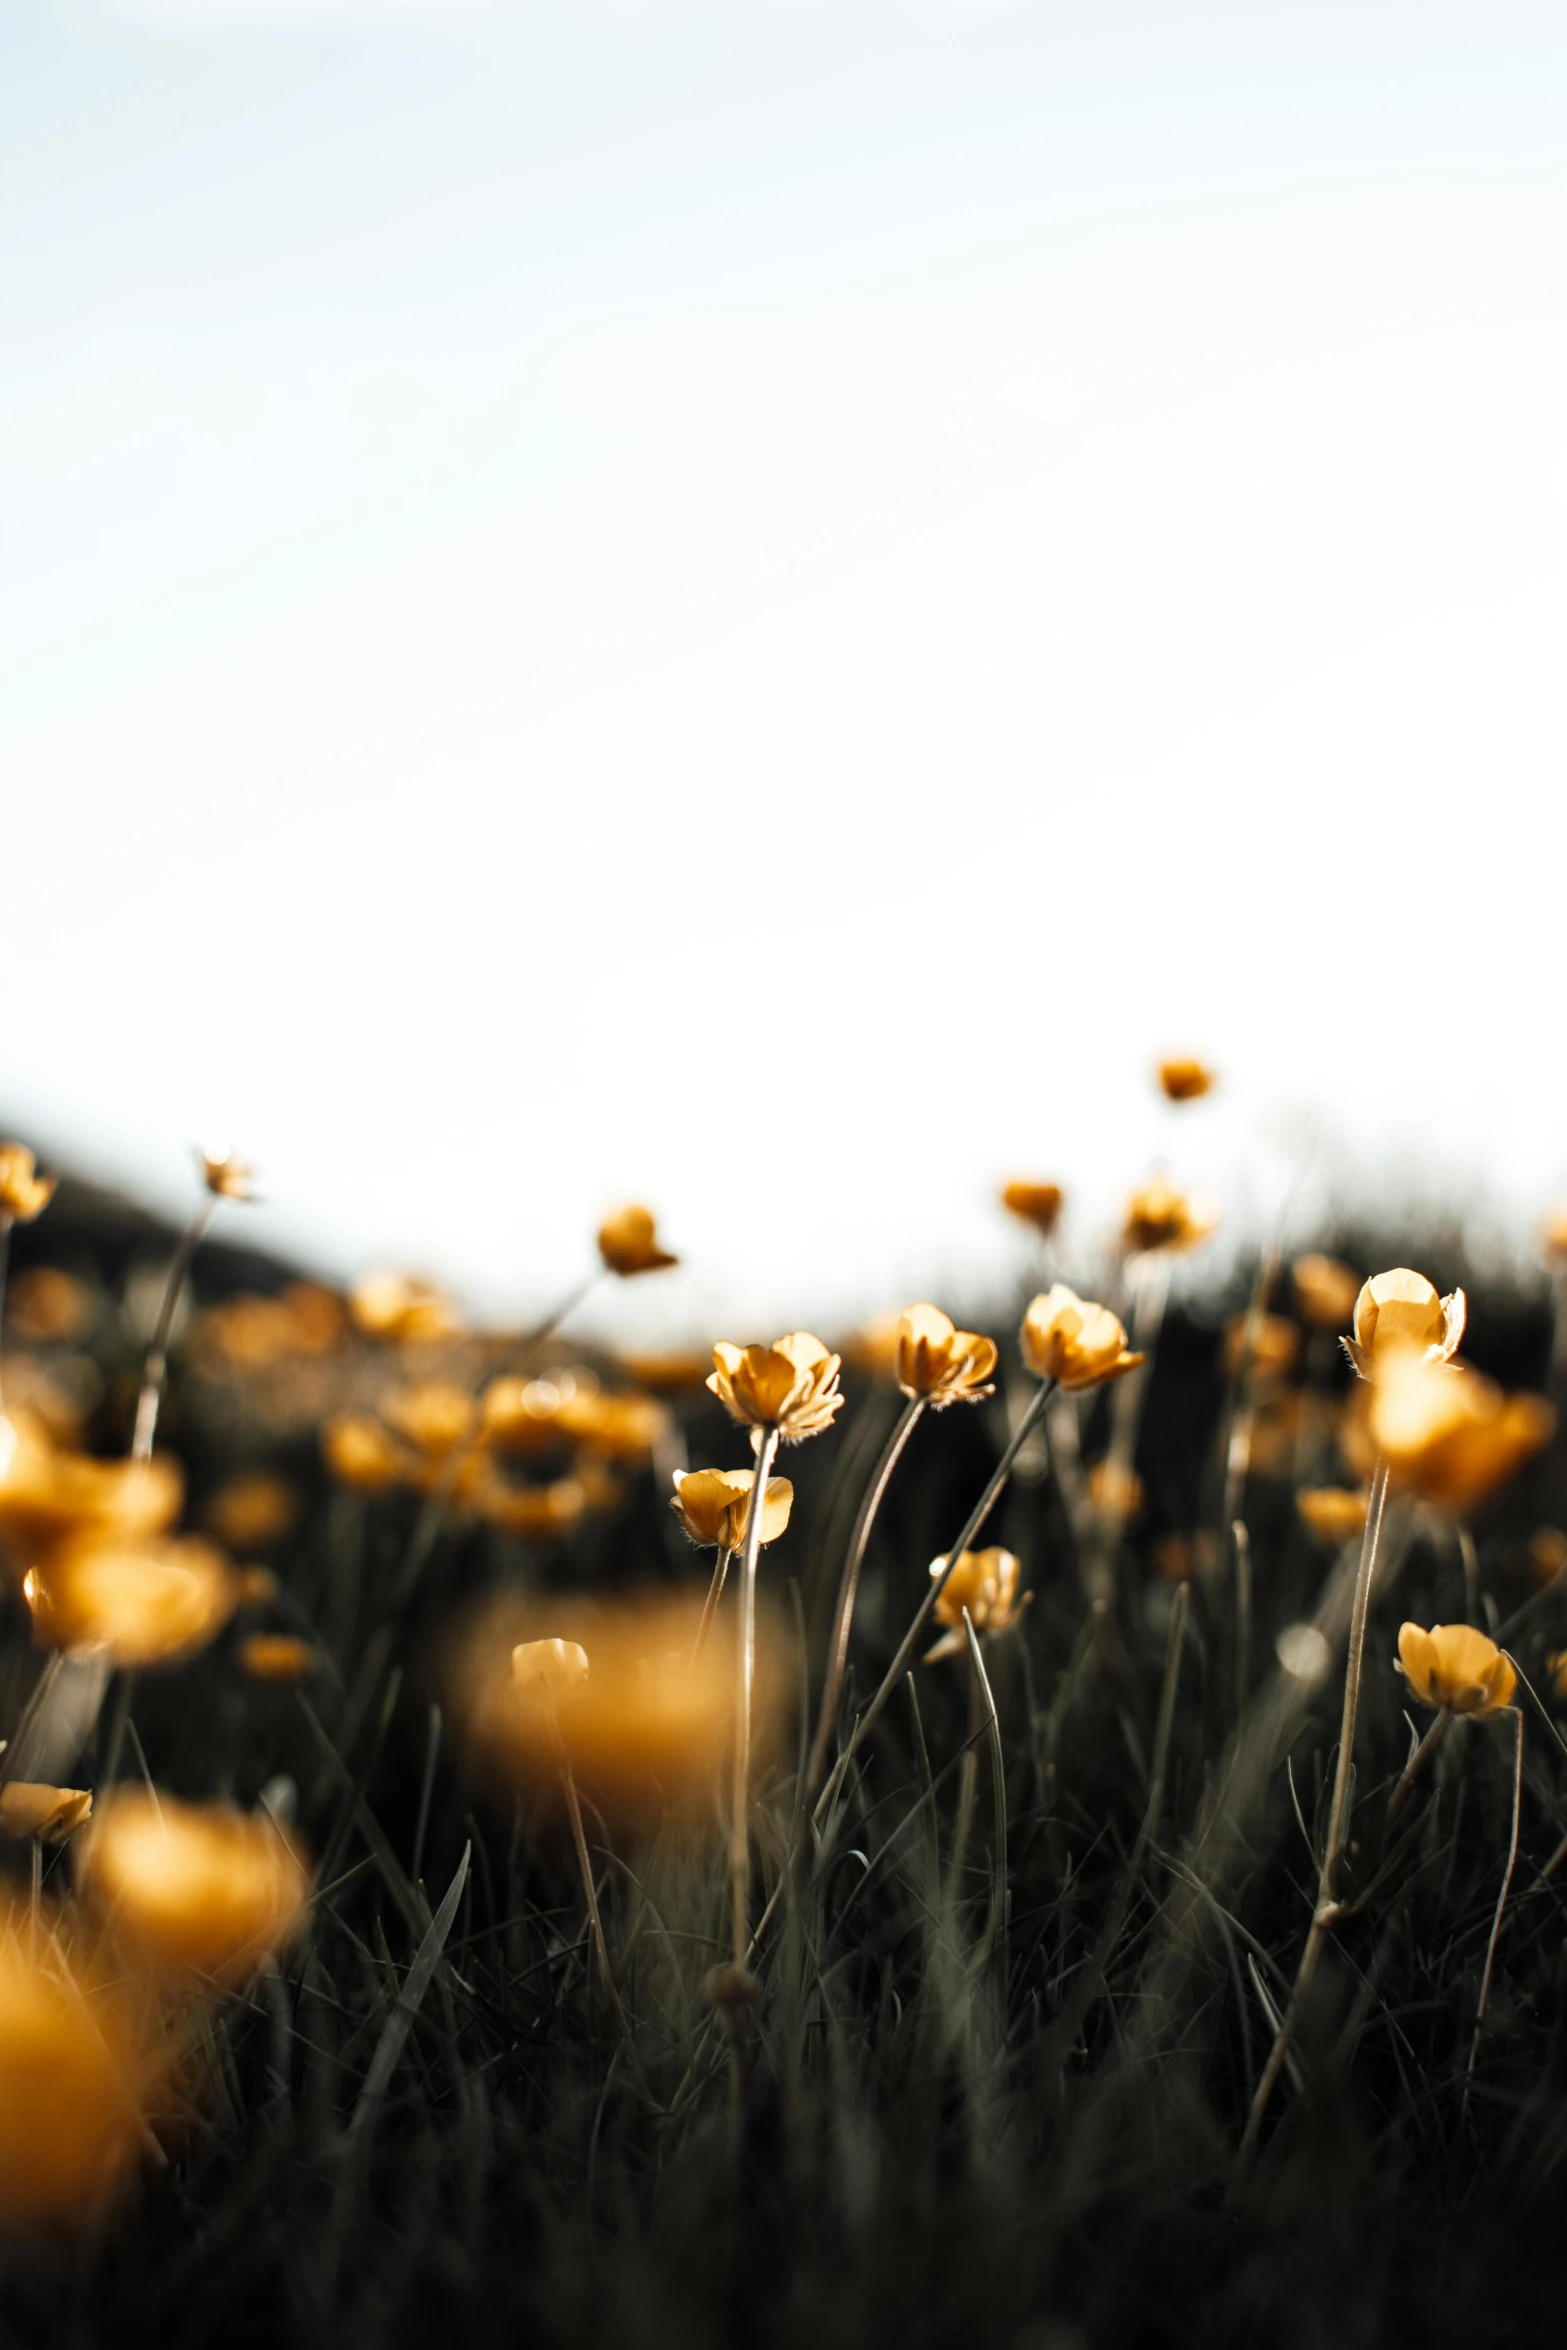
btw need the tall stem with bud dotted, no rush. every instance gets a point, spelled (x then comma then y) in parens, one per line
(745, 1674)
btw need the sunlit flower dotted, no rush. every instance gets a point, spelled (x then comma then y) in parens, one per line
(628, 1243)
(1077, 1344)
(985, 1584)
(276, 1656)
(52, 1814)
(1547, 1553)
(253, 1509)
(531, 1512)
(1456, 1666)
(1115, 1491)
(364, 1455)
(24, 1193)
(149, 1603)
(1447, 1434)
(791, 1386)
(1038, 1204)
(435, 1416)
(554, 1671)
(73, 2076)
(225, 1176)
(400, 1309)
(940, 1362)
(46, 1307)
(1402, 1311)
(1265, 1344)
(1185, 1080)
(192, 1889)
(615, 1427)
(1159, 1217)
(712, 1505)
(1334, 1513)
(50, 1497)
(1325, 1291)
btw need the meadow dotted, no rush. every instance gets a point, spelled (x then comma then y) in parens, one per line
(1050, 1834)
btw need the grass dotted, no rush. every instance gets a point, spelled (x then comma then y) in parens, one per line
(992, 2094)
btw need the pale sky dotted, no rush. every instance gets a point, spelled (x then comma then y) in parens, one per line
(754, 605)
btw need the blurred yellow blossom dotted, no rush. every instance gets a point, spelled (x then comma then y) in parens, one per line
(791, 1386)
(1159, 1217)
(1554, 1233)
(276, 1656)
(1038, 1204)
(50, 1497)
(1456, 1666)
(47, 1307)
(554, 1671)
(1115, 1491)
(712, 1504)
(1547, 1553)
(253, 1509)
(74, 2074)
(1401, 1311)
(24, 1193)
(224, 1175)
(1265, 1344)
(984, 1583)
(668, 1371)
(1077, 1344)
(364, 1455)
(52, 1814)
(400, 1309)
(938, 1361)
(628, 1243)
(435, 1415)
(1447, 1434)
(1325, 1291)
(615, 1427)
(1334, 1513)
(192, 1889)
(1185, 1080)
(532, 1512)
(147, 1603)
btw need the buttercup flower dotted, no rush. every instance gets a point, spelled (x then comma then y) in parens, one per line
(791, 1386)
(711, 1505)
(1448, 1435)
(1159, 1217)
(940, 1362)
(434, 1416)
(72, 2078)
(1038, 1204)
(254, 1509)
(24, 1193)
(276, 1656)
(1077, 1344)
(1456, 1666)
(1325, 1291)
(1185, 1080)
(1333, 1512)
(51, 1498)
(1115, 1491)
(149, 1603)
(985, 1582)
(552, 1669)
(192, 1889)
(1265, 1344)
(1401, 1310)
(225, 1176)
(628, 1243)
(364, 1455)
(52, 1814)
(613, 1427)
(400, 1309)
(534, 1513)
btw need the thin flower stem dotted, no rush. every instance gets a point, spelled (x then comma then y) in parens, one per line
(996, 1922)
(1416, 1764)
(1151, 1294)
(568, 1787)
(745, 1673)
(848, 1589)
(1501, 1904)
(715, 1592)
(922, 1614)
(1326, 1910)
(157, 1364)
(551, 1323)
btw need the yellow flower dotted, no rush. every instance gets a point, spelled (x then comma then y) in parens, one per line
(47, 1307)
(1114, 1491)
(613, 1427)
(400, 1309)
(253, 1509)
(1554, 1234)
(942, 1363)
(628, 1243)
(276, 1656)
(522, 1415)
(985, 1583)
(1402, 1311)
(556, 1670)
(532, 1512)
(1077, 1344)
(791, 1386)
(52, 1814)
(24, 1193)
(1332, 1512)
(49, 1498)
(192, 1889)
(365, 1456)
(1547, 1553)
(434, 1416)
(1456, 1666)
(711, 1505)
(254, 1587)
(1159, 1217)
(225, 1176)
(150, 1603)
(317, 1317)
(73, 2076)
(1038, 1204)
(1185, 1080)
(1325, 1291)
(1448, 1435)
(1265, 1344)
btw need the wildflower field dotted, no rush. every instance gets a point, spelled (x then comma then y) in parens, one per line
(1051, 1833)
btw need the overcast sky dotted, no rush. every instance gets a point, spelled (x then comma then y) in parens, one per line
(755, 604)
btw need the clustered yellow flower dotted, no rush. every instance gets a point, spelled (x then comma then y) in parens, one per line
(1448, 1435)
(1185, 1080)
(1455, 1666)
(192, 1889)
(1077, 1344)
(24, 1193)
(138, 1604)
(628, 1243)
(1038, 1204)
(791, 1386)
(1159, 1218)
(713, 1504)
(984, 1585)
(940, 1363)
(1400, 1312)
